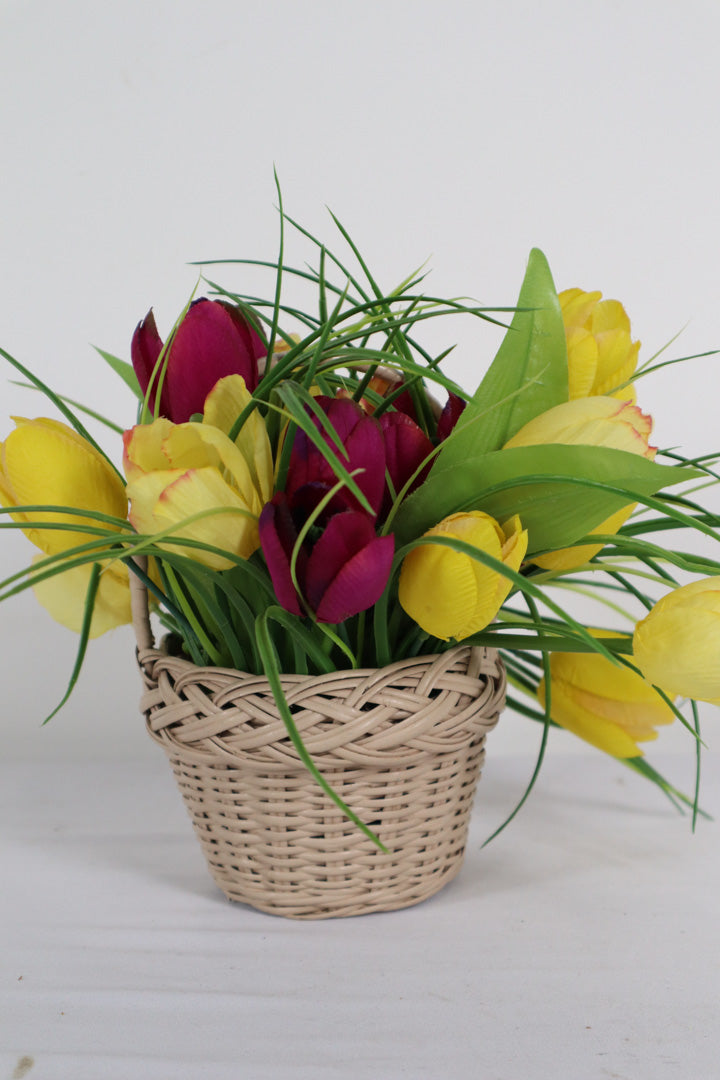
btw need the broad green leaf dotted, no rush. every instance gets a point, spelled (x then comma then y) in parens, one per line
(532, 359)
(560, 492)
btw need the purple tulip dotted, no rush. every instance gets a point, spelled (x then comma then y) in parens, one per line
(406, 447)
(454, 408)
(342, 573)
(277, 538)
(310, 476)
(213, 340)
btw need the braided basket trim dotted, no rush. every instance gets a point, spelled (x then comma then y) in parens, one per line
(380, 717)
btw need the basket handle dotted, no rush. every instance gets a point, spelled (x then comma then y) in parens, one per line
(139, 608)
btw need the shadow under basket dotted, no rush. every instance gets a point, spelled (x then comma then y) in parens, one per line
(402, 746)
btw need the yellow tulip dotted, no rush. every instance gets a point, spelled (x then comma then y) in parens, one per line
(450, 594)
(594, 421)
(677, 644)
(606, 704)
(601, 355)
(176, 471)
(45, 462)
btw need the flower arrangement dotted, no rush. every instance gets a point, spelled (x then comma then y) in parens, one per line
(308, 491)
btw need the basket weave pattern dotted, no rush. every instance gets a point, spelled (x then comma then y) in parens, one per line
(402, 745)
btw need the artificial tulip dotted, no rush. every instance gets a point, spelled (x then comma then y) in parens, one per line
(606, 704)
(452, 411)
(310, 474)
(601, 354)
(176, 471)
(45, 462)
(593, 421)
(342, 573)
(214, 339)
(677, 644)
(406, 448)
(450, 594)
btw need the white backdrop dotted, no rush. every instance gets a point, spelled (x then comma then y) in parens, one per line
(138, 136)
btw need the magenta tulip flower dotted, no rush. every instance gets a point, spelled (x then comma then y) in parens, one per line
(214, 339)
(454, 408)
(310, 475)
(406, 448)
(342, 573)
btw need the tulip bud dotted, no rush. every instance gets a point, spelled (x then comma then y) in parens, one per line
(342, 573)
(590, 421)
(213, 340)
(601, 355)
(450, 594)
(677, 644)
(45, 462)
(406, 448)
(191, 471)
(363, 451)
(606, 704)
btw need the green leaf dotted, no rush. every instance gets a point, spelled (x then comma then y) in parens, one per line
(123, 369)
(560, 492)
(84, 637)
(533, 355)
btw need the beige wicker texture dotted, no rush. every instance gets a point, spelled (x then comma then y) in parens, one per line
(402, 745)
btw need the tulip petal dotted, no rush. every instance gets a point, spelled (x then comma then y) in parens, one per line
(450, 594)
(582, 362)
(145, 350)
(223, 405)
(452, 411)
(361, 437)
(569, 558)
(349, 567)
(601, 733)
(677, 644)
(161, 500)
(278, 536)
(210, 343)
(577, 306)
(144, 448)
(45, 462)
(63, 596)
(406, 448)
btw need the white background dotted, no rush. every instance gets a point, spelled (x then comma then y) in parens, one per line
(136, 137)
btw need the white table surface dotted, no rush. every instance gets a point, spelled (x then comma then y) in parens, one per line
(582, 944)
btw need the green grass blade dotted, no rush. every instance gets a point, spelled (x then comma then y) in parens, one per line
(84, 638)
(272, 672)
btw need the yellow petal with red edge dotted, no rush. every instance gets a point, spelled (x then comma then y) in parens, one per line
(63, 596)
(223, 405)
(199, 446)
(144, 493)
(144, 448)
(227, 522)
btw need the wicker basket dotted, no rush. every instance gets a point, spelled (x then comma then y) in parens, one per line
(402, 745)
